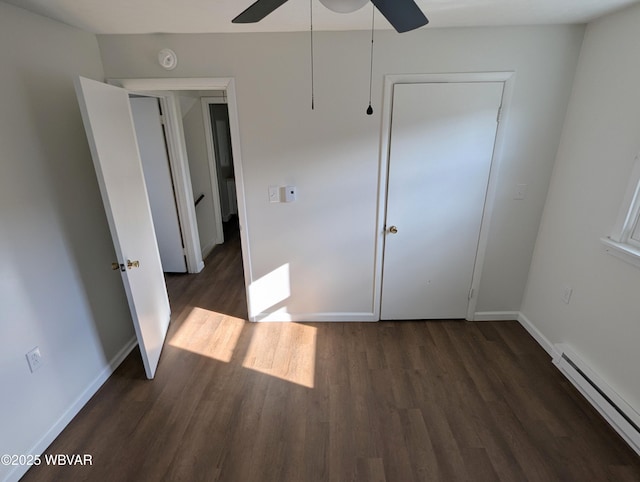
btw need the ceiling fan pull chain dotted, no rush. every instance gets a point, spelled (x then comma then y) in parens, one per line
(311, 23)
(373, 18)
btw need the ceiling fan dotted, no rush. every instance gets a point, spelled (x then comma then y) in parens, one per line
(403, 15)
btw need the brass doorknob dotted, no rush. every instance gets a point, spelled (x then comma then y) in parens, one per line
(133, 264)
(115, 266)
(393, 230)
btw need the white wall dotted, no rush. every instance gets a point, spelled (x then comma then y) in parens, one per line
(194, 135)
(326, 240)
(57, 289)
(600, 139)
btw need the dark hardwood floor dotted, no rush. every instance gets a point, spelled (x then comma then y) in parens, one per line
(411, 401)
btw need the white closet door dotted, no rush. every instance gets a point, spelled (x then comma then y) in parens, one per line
(441, 148)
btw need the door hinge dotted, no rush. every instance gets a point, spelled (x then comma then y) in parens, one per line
(162, 120)
(499, 116)
(470, 293)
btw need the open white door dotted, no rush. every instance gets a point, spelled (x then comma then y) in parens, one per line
(108, 121)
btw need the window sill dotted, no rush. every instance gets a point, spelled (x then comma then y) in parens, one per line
(625, 252)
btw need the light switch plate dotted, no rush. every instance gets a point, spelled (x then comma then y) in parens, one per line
(567, 291)
(274, 194)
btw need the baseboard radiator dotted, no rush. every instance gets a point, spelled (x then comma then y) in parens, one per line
(624, 419)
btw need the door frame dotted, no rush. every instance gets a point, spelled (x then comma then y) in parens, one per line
(508, 79)
(166, 87)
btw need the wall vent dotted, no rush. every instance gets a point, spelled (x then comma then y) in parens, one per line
(624, 419)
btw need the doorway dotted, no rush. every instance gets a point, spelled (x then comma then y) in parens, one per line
(205, 123)
(106, 113)
(220, 152)
(185, 200)
(210, 162)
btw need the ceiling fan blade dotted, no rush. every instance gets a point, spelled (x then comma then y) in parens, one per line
(258, 11)
(404, 15)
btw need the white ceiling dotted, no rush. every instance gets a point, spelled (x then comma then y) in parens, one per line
(198, 16)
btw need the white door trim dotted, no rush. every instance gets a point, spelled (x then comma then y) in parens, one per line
(184, 193)
(182, 181)
(508, 79)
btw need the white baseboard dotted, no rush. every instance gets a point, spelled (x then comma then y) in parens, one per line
(279, 316)
(495, 315)
(615, 410)
(73, 410)
(208, 248)
(539, 337)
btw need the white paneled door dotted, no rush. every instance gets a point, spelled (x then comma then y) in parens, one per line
(108, 122)
(157, 175)
(440, 154)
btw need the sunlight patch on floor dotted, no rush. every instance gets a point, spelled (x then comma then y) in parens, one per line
(284, 350)
(209, 333)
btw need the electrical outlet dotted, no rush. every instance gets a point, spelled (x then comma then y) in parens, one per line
(34, 358)
(567, 291)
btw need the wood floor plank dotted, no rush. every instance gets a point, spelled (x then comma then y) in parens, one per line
(429, 401)
(419, 445)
